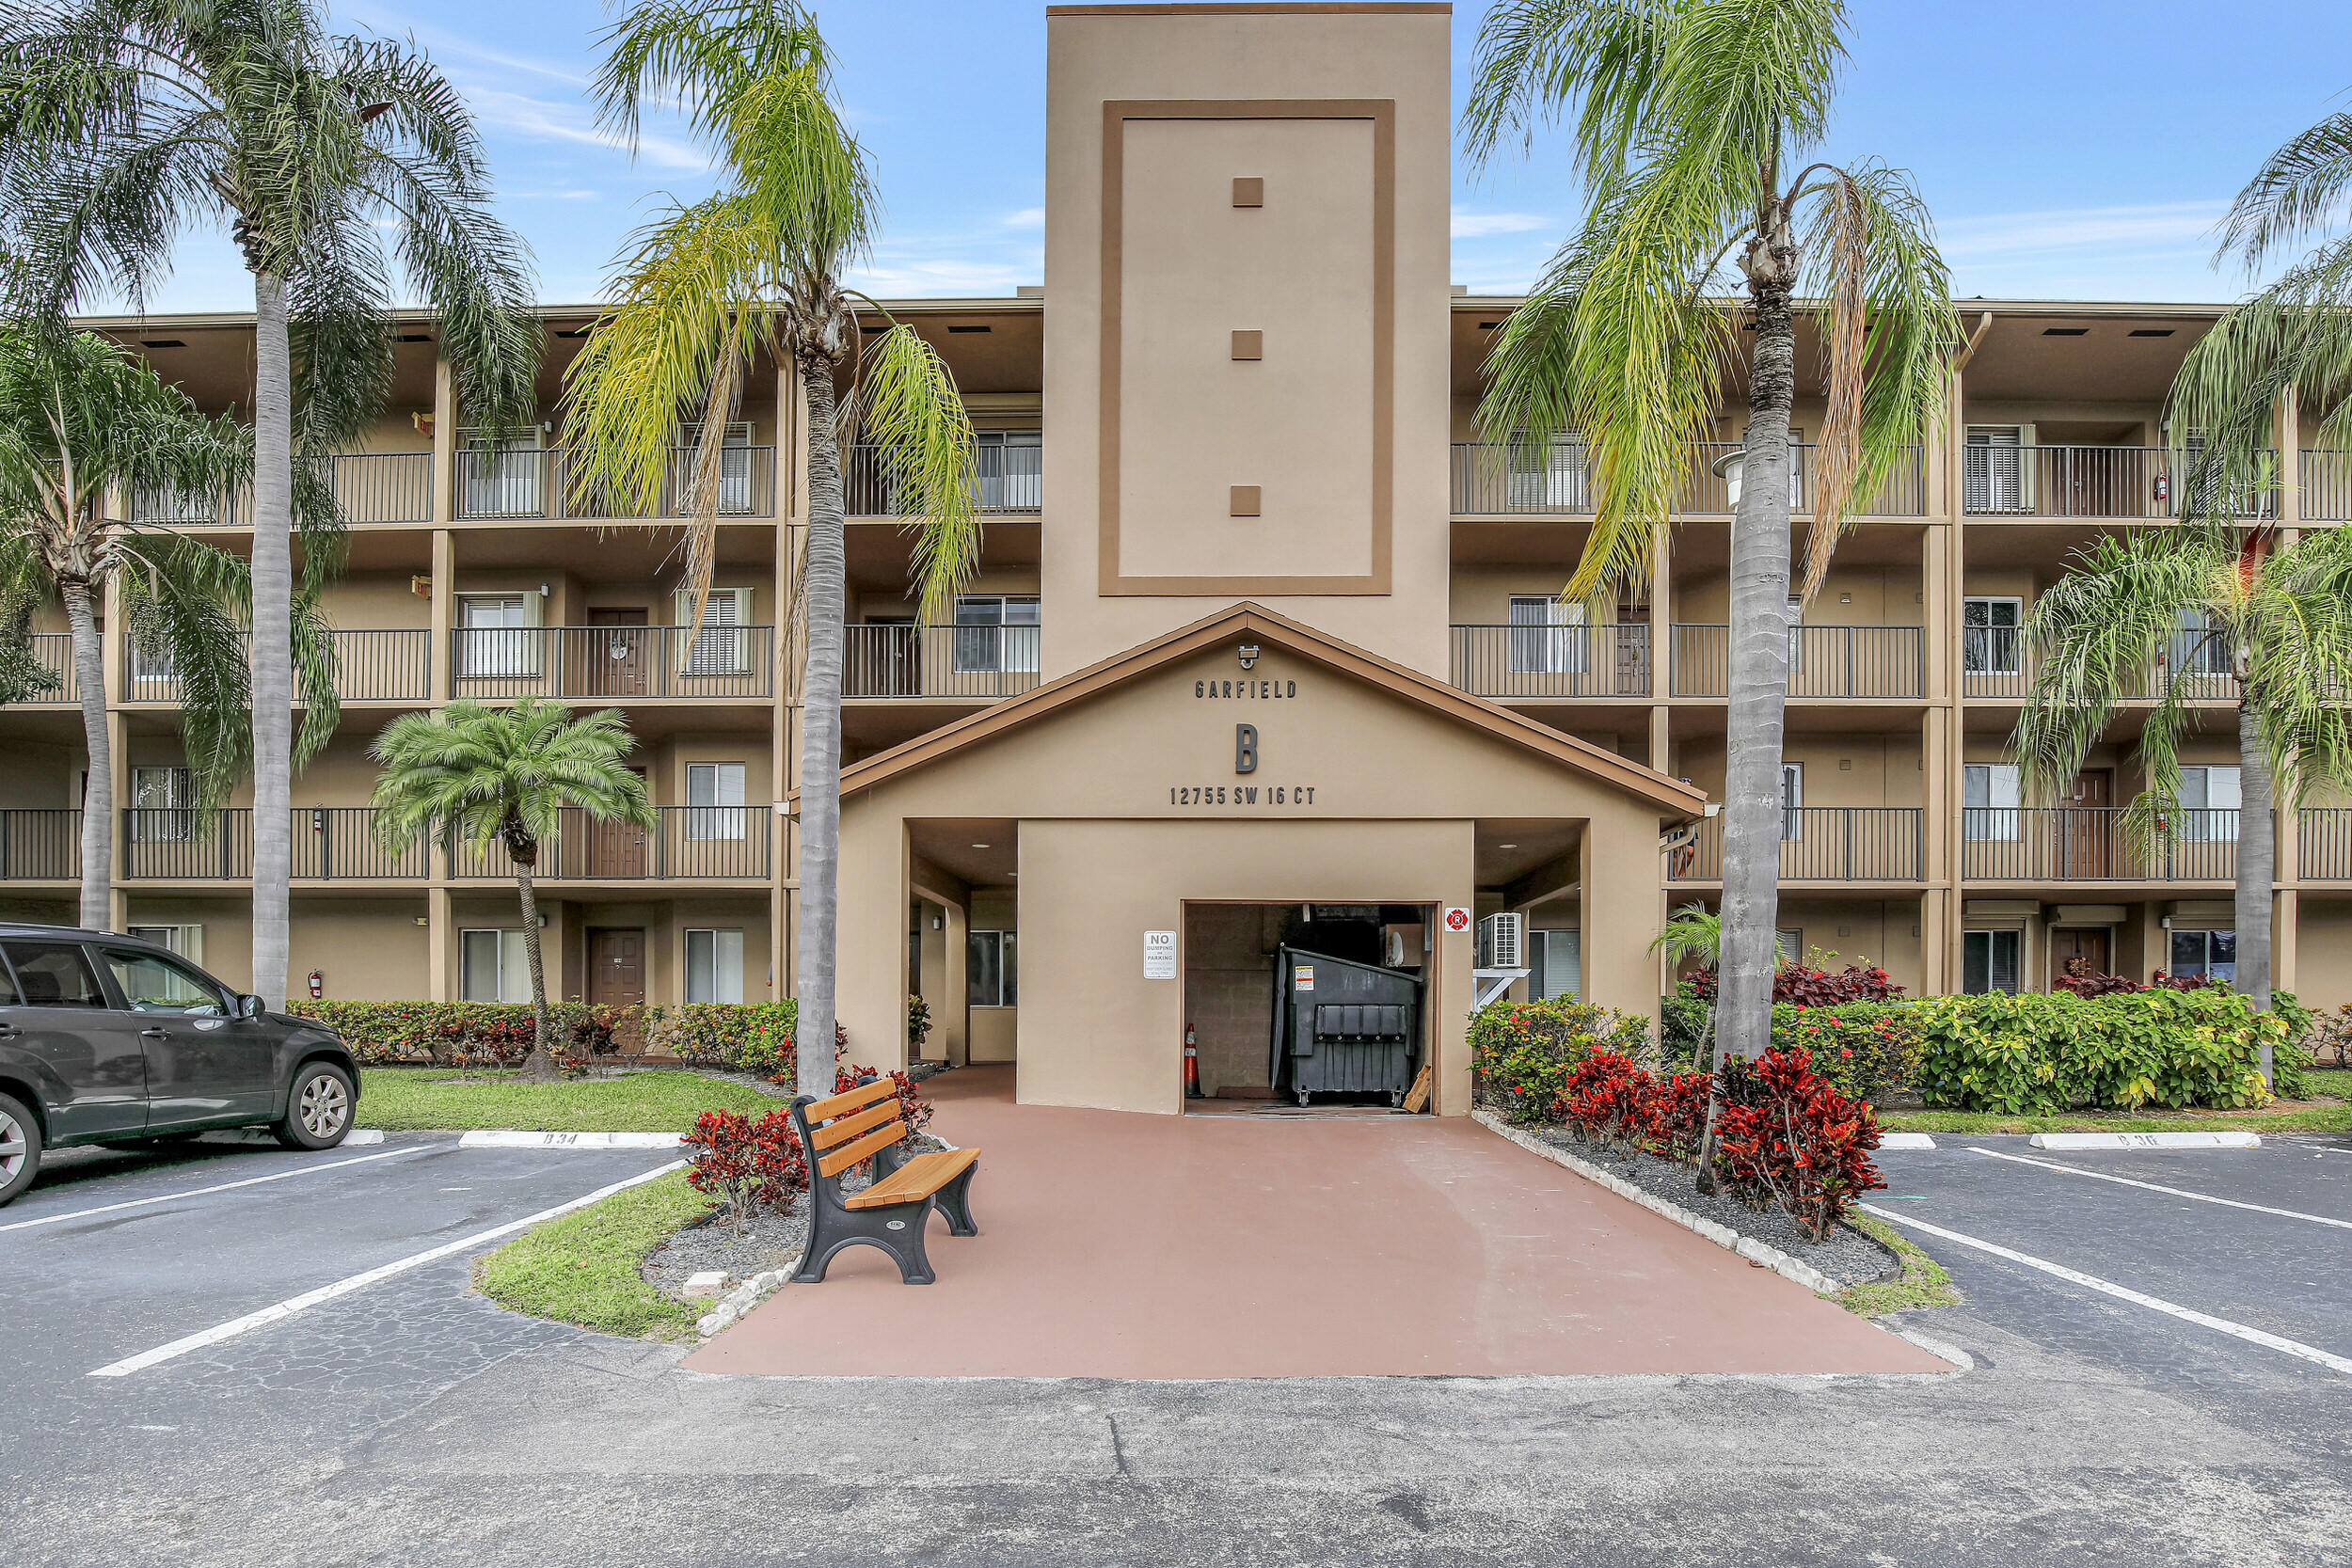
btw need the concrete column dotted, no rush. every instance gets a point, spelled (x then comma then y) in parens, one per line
(956, 984)
(1938, 910)
(440, 943)
(444, 612)
(1620, 971)
(2289, 460)
(1943, 586)
(2282, 940)
(444, 443)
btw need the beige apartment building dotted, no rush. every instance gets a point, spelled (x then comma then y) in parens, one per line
(1262, 656)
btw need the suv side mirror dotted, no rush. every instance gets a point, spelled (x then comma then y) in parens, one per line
(248, 1006)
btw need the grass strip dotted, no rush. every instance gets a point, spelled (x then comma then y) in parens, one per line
(582, 1268)
(409, 1099)
(2317, 1119)
(1922, 1283)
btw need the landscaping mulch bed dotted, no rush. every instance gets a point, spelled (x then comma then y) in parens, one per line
(1848, 1257)
(769, 1241)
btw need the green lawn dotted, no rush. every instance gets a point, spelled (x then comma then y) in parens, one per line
(411, 1099)
(582, 1268)
(2322, 1118)
(1922, 1283)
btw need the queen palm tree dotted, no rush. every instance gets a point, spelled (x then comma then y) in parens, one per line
(2281, 617)
(1694, 123)
(754, 269)
(124, 124)
(84, 426)
(506, 775)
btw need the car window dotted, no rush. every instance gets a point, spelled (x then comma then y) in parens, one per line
(7, 987)
(153, 983)
(53, 974)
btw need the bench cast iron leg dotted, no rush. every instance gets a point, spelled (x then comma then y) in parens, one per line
(898, 1230)
(955, 1202)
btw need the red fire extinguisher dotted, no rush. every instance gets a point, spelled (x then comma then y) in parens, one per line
(1192, 1063)
(318, 985)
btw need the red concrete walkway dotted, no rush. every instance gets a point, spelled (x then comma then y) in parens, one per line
(1139, 1247)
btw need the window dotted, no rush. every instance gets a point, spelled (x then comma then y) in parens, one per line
(501, 475)
(1548, 638)
(995, 635)
(721, 646)
(1994, 471)
(152, 665)
(1558, 969)
(2209, 805)
(735, 466)
(714, 799)
(714, 966)
(1791, 800)
(497, 634)
(1789, 939)
(2212, 954)
(1988, 961)
(1989, 636)
(1988, 802)
(1550, 479)
(153, 984)
(187, 940)
(991, 971)
(2199, 647)
(162, 806)
(493, 967)
(53, 974)
(1011, 464)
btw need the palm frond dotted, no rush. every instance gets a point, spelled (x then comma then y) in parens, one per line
(2300, 188)
(909, 407)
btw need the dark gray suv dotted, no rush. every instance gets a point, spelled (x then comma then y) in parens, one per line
(108, 1039)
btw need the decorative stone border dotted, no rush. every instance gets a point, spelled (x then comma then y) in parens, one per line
(741, 1300)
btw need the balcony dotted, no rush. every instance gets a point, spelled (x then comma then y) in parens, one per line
(1821, 843)
(1995, 668)
(39, 844)
(1524, 663)
(2323, 843)
(523, 482)
(394, 666)
(2118, 482)
(905, 660)
(2087, 844)
(2326, 479)
(1011, 475)
(53, 652)
(369, 487)
(1498, 479)
(690, 844)
(614, 663)
(1829, 663)
(329, 843)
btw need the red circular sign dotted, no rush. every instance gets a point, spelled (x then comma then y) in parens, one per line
(1458, 920)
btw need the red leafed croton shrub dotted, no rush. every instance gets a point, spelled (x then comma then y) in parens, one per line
(743, 1165)
(1785, 1137)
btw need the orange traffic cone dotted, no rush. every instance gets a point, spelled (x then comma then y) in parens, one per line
(1192, 1063)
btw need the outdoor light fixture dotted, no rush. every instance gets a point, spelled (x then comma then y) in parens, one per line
(1249, 656)
(979, 847)
(1727, 468)
(1506, 846)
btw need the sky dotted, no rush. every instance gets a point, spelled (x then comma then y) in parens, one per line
(2067, 148)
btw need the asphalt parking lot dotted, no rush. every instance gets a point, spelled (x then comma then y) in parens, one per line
(411, 1420)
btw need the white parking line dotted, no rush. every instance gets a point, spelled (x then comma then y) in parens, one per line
(2154, 1187)
(221, 1187)
(293, 1305)
(2220, 1325)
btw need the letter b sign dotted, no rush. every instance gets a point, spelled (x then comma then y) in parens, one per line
(1245, 748)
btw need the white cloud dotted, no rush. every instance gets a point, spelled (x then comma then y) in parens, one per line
(1027, 217)
(536, 117)
(1478, 225)
(2014, 234)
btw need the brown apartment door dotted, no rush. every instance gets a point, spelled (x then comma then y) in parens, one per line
(616, 849)
(620, 654)
(1632, 658)
(2089, 829)
(616, 968)
(2078, 952)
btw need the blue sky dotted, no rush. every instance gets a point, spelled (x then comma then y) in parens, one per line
(2069, 148)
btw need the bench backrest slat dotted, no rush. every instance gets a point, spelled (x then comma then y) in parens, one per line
(849, 1100)
(841, 1132)
(865, 1148)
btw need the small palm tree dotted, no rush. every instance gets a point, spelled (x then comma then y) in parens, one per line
(1695, 122)
(84, 426)
(492, 775)
(759, 268)
(126, 123)
(2283, 619)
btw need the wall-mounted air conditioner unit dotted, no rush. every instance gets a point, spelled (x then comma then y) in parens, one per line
(1503, 941)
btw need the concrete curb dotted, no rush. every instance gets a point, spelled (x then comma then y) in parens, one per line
(741, 1300)
(1905, 1140)
(510, 1138)
(2147, 1140)
(1723, 1236)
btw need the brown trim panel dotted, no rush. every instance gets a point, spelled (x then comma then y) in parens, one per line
(1381, 112)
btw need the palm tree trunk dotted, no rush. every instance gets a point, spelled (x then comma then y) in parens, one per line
(823, 601)
(272, 635)
(97, 795)
(2257, 865)
(539, 1067)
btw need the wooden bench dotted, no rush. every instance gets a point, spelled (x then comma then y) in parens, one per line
(846, 1130)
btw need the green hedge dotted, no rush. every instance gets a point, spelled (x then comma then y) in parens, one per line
(438, 1033)
(1863, 1048)
(745, 1036)
(2039, 1054)
(1523, 1052)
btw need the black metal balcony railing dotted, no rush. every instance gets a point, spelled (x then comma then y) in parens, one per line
(1821, 843)
(692, 842)
(533, 481)
(2078, 844)
(1515, 661)
(369, 487)
(882, 660)
(385, 666)
(614, 663)
(326, 843)
(1504, 479)
(1011, 476)
(40, 843)
(2085, 482)
(53, 652)
(2323, 843)
(2326, 479)
(1995, 666)
(1885, 662)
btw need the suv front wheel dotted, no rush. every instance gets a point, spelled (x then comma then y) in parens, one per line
(20, 1147)
(318, 1108)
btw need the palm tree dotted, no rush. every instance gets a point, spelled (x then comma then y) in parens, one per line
(757, 268)
(2283, 619)
(1689, 118)
(125, 123)
(84, 426)
(492, 775)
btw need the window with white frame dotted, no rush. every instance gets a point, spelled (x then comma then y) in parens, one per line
(2209, 953)
(1991, 630)
(497, 634)
(1791, 800)
(1996, 474)
(1558, 966)
(735, 466)
(714, 800)
(1554, 477)
(493, 966)
(187, 940)
(991, 969)
(2209, 805)
(1789, 944)
(1989, 961)
(1547, 636)
(996, 634)
(1989, 803)
(2199, 647)
(714, 965)
(721, 645)
(163, 802)
(500, 474)
(1011, 470)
